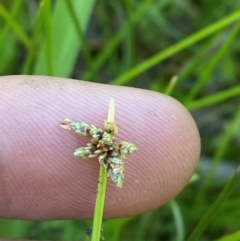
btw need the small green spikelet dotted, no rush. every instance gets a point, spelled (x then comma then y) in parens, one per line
(95, 133)
(110, 127)
(81, 128)
(117, 175)
(107, 140)
(126, 148)
(82, 152)
(115, 160)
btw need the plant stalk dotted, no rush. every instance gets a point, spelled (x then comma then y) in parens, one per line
(102, 186)
(215, 206)
(99, 205)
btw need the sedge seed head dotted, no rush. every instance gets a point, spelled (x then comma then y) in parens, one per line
(102, 145)
(126, 148)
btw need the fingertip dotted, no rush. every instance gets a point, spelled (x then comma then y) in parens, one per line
(41, 179)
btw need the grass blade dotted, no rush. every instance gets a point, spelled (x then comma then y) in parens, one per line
(213, 99)
(215, 207)
(222, 149)
(82, 39)
(15, 26)
(210, 65)
(178, 220)
(114, 42)
(232, 237)
(65, 41)
(205, 32)
(32, 52)
(48, 34)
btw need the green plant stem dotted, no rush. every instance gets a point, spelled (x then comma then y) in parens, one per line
(215, 206)
(230, 132)
(178, 220)
(7, 26)
(173, 49)
(232, 237)
(32, 52)
(99, 205)
(48, 33)
(80, 34)
(205, 75)
(115, 40)
(102, 185)
(171, 85)
(64, 42)
(214, 98)
(15, 26)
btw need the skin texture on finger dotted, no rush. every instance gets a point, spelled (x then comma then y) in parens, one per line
(41, 179)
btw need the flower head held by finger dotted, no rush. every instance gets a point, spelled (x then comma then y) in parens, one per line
(102, 145)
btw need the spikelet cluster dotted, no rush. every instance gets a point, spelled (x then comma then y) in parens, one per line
(102, 146)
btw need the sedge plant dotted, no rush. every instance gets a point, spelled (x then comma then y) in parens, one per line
(110, 156)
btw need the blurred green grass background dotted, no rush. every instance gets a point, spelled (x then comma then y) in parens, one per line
(142, 44)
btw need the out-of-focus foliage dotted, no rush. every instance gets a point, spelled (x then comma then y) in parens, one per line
(142, 44)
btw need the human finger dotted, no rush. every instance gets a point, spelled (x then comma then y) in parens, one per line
(41, 179)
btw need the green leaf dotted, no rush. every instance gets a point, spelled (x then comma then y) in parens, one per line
(233, 237)
(65, 43)
(175, 48)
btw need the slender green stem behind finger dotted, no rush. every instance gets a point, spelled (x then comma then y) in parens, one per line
(215, 206)
(99, 205)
